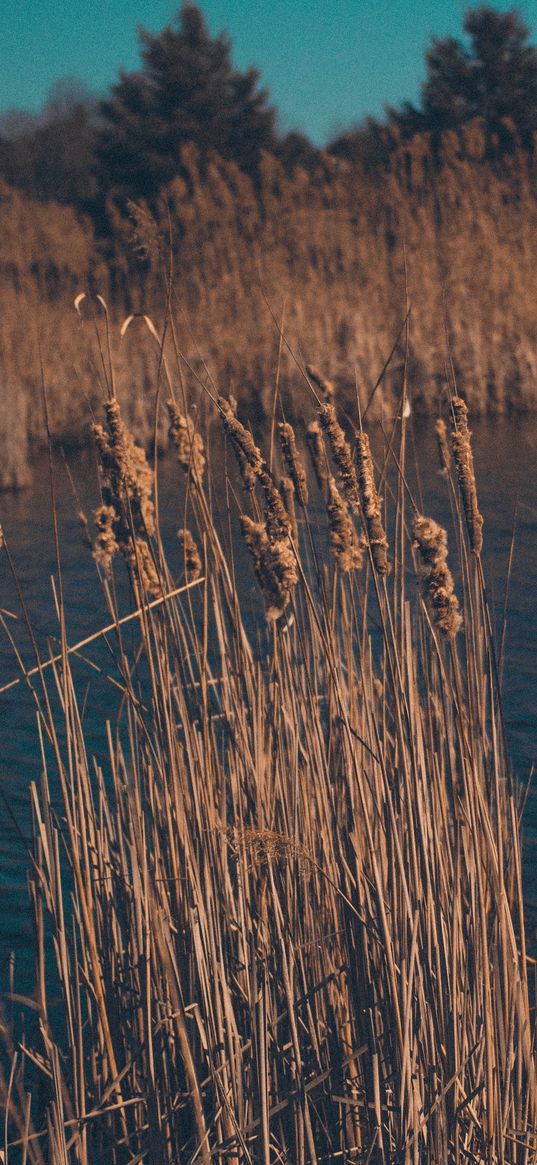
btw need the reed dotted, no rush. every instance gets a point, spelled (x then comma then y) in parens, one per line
(283, 914)
(324, 252)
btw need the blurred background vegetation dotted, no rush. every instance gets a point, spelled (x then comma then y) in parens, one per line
(178, 190)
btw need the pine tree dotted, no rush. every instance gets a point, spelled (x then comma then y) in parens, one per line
(187, 91)
(494, 78)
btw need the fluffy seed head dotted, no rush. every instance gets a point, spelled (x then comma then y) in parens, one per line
(430, 540)
(287, 490)
(188, 442)
(344, 541)
(293, 462)
(341, 453)
(189, 556)
(249, 458)
(371, 507)
(126, 519)
(464, 460)
(274, 565)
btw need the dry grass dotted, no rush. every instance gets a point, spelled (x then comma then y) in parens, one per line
(334, 255)
(284, 915)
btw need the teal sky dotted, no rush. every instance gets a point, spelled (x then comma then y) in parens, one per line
(327, 63)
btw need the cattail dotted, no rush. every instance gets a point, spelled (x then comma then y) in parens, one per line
(189, 555)
(126, 519)
(106, 545)
(430, 540)
(274, 565)
(130, 476)
(344, 542)
(188, 442)
(254, 470)
(317, 450)
(371, 505)
(276, 516)
(443, 447)
(249, 458)
(293, 462)
(341, 452)
(142, 560)
(287, 490)
(325, 386)
(464, 461)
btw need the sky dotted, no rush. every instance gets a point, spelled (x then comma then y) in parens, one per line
(326, 63)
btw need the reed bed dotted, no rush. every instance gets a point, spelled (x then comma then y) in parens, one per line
(332, 255)
(284, 915)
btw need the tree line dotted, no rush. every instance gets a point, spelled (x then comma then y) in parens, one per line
(83, 150)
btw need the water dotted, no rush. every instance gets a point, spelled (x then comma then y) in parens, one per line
(506, 464)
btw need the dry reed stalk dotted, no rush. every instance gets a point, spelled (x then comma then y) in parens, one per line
(344, 541)
(287, 489)
(293, 462)
(276, 517)
(249, 458)
(187, 441)
(274, 565)
(462, 453)
(371, 506)
(189, 555)
(430, 540)
(341, 453)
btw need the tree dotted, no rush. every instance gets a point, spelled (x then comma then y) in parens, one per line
(494, 77)
(187, 91)
(51, 155)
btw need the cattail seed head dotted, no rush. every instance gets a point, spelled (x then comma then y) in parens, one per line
(430, 540)
(276, 516)
(293, 462)
(187, 441)
(130, 475)
(344, 541)
(371, 506)
(188, 555)
(249, 458)
(126, 519)
(462, 454)
(274, 565)
(287, 490)
(341, 453)
(106, 545)
(143, 565)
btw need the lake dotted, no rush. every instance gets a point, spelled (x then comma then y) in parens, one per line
(506, 465)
